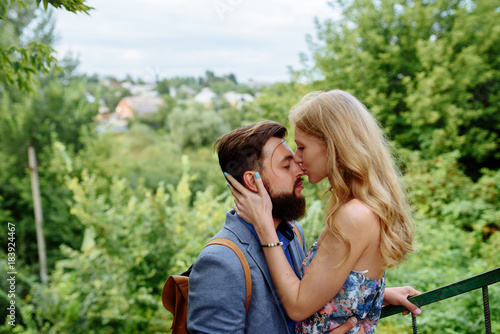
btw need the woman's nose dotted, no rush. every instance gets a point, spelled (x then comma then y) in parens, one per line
(299, 169)
(298, 163)
(297, 158)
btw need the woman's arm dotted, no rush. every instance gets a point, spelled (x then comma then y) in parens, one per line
(324, 278)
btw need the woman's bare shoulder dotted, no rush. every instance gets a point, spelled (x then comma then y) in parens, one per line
(357, 214)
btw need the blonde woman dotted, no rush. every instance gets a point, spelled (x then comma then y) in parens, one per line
(368, 224)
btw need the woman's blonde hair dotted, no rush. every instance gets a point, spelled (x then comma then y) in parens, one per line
(360, 166)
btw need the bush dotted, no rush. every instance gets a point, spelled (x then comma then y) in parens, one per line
(133, 240)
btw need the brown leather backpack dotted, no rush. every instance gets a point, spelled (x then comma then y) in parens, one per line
(175, 290)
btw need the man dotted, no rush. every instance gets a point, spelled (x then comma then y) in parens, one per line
(217, 284)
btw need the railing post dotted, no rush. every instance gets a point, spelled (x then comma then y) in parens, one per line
(414, 324)
(486, 304)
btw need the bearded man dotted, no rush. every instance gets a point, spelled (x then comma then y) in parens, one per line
(217, 293)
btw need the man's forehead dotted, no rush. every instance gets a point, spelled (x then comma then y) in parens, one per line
(283, 142)
(276, 145)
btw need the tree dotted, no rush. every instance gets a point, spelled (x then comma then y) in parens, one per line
(57, 115)
(276, 101)
(134, 238)
(192, 125)
(20, 62)
(458, 235)
(54, 114)
(163, 87)
(221, 87)
(429, 71)
(211, 80)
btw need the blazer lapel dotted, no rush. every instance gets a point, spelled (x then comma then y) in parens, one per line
(254, 251)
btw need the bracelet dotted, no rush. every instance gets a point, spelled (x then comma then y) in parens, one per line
(276, 244)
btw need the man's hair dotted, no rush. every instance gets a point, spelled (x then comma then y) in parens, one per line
(241, 149)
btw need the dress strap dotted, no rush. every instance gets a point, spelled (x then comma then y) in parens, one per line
(362, 272)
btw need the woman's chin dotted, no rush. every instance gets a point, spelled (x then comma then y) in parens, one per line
(311, 179)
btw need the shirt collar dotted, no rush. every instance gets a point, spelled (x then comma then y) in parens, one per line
(284, 231)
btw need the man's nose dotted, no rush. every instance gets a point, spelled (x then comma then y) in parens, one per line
(298, 169)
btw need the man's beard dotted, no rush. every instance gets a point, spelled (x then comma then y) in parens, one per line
(287, 206)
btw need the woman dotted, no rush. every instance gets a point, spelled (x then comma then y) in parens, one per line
(368, 224)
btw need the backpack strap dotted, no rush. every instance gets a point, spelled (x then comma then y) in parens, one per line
(297, 233)
(244, 264)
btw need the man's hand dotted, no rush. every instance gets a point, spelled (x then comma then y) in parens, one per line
(399, 296)
(346, 326)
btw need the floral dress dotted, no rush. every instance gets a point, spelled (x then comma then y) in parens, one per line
(359, 296)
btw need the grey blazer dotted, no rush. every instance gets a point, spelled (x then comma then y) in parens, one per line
(216, 302)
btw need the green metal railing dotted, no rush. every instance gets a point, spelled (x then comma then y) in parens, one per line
(480, 281)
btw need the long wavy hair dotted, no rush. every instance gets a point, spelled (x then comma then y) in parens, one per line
(361, 166)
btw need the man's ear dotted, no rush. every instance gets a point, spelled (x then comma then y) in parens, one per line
(249, 181)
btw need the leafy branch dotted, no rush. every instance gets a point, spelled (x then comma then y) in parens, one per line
(20, 65)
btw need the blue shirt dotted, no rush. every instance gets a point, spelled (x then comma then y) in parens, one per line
(284, 227)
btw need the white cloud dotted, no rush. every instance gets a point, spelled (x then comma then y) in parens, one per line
(251, 38)
(132, 54)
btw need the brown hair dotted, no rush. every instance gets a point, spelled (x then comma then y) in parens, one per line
(241, 149)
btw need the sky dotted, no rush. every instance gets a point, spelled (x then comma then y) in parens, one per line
(253, 39)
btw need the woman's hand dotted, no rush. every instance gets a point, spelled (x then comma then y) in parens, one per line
(399, 296)
(254, 206)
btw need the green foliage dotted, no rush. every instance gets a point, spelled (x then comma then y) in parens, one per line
(195, 223)
(20, 64)
(233, 116)
(111, 283)
(33, 120)
(192, 125)
(275, 101)
(458, 237)
(162, 87)
(133, 240)
(124, 210)
(429, 71)
(140, 155)
(211, 79)
(69, 5)
(446, 255)
(6, 5)
(22, 56)
(143, 155)
(441, 190)
(179, 82)
(74, 6)
(220, 87)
